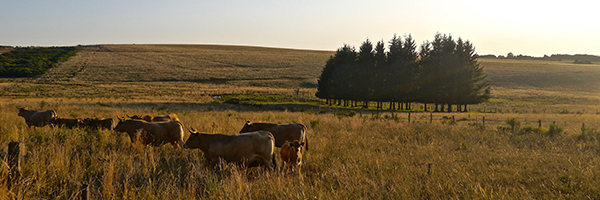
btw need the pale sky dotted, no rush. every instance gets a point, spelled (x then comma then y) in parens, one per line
(494, 27)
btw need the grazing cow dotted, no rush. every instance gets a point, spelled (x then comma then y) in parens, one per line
(156, 118)
(252, 149)
(35, 118)
(281, 132)
(66, 122)
(291, 154)
(99, 123)
(153, 133)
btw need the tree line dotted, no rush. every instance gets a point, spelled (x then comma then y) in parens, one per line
(442, 72)
(32, 61)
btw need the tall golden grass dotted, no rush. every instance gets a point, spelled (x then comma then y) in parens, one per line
(350, 157)
(369, 155)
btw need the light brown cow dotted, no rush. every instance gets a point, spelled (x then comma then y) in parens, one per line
(281, 132)
(99, 123)
(153, 133)
(156, 118)
(291, 154)
(35, 118)
(66, 122)
(252, 149)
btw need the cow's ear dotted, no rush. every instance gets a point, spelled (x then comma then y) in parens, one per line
(248, 122)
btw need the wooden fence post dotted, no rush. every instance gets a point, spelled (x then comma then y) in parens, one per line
(483, 121)
(430, 118)
(409, 117)
(14, 162)
(85, 195)
(540, 123)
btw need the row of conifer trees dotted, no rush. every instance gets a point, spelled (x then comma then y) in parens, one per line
(444, 71)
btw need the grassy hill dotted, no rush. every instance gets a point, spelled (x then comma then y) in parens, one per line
(172, 70)
(185, 71)
(236, 65)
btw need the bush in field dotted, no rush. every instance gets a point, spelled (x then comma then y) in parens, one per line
(531, 129)
(515, 125)
(589, 134)
(554, 130)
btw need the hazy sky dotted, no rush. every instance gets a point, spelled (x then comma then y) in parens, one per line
(494, 27)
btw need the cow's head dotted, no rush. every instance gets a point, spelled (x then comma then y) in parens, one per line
(296, 156)
(297, 145)
(193, 141)
(247, 127)
(22, 110)
(120, 125)
(121, 119)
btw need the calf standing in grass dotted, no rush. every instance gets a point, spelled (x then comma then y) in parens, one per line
(291, 154)
(251, 149)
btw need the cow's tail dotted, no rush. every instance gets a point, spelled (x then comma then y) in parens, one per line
(48, 121)
(306, 142)
(273, 161)
(305, 136)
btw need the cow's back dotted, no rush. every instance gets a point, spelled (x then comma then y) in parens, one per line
(168, 131)
(286, 132)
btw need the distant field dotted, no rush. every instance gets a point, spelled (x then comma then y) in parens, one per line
(166, 70)
(241, 66)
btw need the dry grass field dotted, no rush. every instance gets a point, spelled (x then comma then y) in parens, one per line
(369, 155)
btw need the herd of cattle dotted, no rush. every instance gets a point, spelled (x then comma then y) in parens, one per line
(254, 146)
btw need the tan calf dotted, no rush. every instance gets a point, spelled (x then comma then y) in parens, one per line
(291, 154)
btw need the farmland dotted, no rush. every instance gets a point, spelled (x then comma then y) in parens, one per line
(373, 154)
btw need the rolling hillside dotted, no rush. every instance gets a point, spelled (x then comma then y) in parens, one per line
(180, 70)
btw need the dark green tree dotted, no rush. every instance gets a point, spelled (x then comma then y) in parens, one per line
(444, 72)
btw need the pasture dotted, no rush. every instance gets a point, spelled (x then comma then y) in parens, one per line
(366, 155)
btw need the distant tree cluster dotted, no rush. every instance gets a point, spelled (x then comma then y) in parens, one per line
(577, 58)
(443, 72)
(29, 61)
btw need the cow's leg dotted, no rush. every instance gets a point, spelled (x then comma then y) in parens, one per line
(273, 164)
